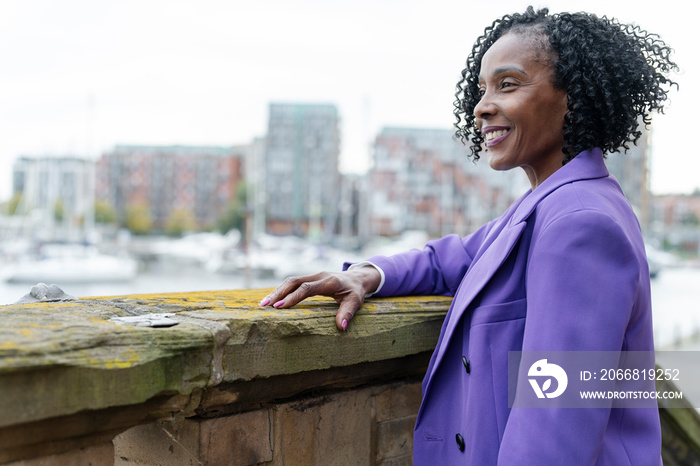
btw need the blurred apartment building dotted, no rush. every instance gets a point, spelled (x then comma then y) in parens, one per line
(423, 180)
(631, 169)
(675, 222)
(201, 181)
(55, 193)
(302, 180)
(668, 221)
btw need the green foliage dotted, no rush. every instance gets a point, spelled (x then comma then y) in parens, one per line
(234, 215)
(690, 219)
(13, 204)
(180, 221)
(104, 213)
(138, 219)
(58, 210)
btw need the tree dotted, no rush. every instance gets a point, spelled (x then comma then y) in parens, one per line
(234, 215)
(690, 219)
(179, 221)
(138, 219)
(104, 213)
(13, 204)
(58, 210)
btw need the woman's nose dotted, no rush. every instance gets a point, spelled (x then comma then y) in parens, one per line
(485, 107)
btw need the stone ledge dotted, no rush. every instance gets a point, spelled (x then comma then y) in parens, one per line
(70, 377)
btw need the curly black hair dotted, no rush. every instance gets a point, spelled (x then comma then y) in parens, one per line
(614, 74)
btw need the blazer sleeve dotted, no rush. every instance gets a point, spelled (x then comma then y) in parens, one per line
(437, 269)
(582, 284)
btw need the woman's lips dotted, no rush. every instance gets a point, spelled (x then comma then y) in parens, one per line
(494, 135)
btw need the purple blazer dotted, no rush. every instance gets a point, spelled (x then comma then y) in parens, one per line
(564, 268)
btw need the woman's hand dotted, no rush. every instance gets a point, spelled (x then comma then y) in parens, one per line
(348, 288)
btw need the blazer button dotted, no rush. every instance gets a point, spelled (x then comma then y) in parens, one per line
(460, 442)
(466, 364)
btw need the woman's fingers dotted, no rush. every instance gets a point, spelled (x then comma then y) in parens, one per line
(303, 290)
(347, 288)
(348, 307)
(278, 297)
(293, 290)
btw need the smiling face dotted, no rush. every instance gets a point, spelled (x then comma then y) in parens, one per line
(521, 113)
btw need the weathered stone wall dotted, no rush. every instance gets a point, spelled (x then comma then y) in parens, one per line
(368, 425)
(230, 383)
(79, 388)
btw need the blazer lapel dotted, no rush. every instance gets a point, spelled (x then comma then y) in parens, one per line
(476, 278)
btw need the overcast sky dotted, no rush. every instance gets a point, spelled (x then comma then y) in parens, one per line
(80, 76)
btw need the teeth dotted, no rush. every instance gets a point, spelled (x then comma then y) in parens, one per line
(494, 134)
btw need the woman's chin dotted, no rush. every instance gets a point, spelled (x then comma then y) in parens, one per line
(496, 161)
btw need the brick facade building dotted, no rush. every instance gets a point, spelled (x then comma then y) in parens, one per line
(199, 180)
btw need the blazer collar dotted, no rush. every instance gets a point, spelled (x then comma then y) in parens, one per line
(587, 165)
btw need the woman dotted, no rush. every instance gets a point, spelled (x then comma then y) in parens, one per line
(563, 269)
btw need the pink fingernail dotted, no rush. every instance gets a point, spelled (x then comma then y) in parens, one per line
(278, 304)
(265, 302)
(344, 324)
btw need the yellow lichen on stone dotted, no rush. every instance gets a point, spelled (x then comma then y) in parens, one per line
(9, 345)
(74, 348)
(126, 359)
(35, 325)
